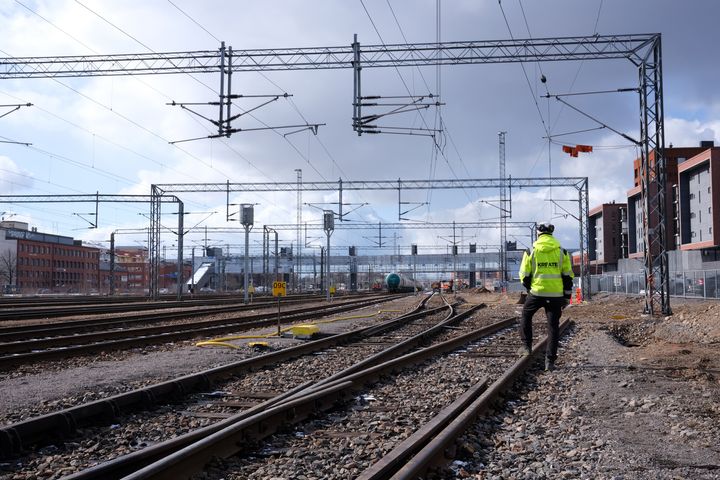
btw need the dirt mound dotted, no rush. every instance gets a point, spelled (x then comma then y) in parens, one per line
(478, 290)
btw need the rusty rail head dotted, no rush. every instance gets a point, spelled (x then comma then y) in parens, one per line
(15, 437)
(232, 439)
(433, 453)
(391, 462)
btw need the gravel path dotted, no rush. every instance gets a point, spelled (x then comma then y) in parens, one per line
(610, 411)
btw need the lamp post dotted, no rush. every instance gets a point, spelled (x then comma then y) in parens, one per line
(247, 212)
(413, 252)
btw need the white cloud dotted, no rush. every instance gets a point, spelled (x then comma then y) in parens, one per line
(83, 146)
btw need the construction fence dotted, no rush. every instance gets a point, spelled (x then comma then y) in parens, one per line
(692, 284)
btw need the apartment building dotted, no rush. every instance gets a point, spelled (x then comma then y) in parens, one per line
(698, 201)
(673, 157)
(607, 237)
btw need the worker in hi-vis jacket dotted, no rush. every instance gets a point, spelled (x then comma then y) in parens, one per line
(547, 275)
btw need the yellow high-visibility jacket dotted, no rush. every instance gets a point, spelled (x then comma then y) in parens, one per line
(542, 269)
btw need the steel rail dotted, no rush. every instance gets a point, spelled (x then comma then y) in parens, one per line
(31, 313)
(71, 327)
(235, 437)
(397, 457)
(155, 332)
(154, 335)
(430, 448)
(415, 341)
(132, 462)
(46, 428)
(58, 300)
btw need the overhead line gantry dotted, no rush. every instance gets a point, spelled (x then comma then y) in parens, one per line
(642, 50)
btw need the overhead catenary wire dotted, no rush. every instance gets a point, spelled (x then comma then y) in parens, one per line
(436, 144)
(194, 21)
(224, 175)
(527, 78)
(274, 130)
(87, 97)
(291, 102)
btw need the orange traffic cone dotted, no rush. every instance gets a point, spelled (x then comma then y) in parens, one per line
(578, 296)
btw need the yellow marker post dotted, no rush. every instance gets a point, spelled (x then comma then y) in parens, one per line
(279, 290)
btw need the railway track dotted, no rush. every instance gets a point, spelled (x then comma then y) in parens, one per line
(44, 344)
(328, 442)
(40, 310)
(378, 350)
(62, 423)
(124, 320)
(368, 427)
(238, 415)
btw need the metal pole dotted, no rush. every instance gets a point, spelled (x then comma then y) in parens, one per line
(247, 218)
(192, 273)
(328, 226)
(179, 275)
(414, 255)
(112, 263)
(247, 264)
(327, 265)
(277, 255)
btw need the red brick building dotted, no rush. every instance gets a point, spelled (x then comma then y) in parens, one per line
(45, 263)
(133, 269)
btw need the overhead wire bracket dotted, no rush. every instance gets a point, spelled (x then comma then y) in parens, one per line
(225, 102)
(605, 125)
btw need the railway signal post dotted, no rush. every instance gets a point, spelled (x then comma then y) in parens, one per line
(247, 213)
(279, 290)
(328, 226)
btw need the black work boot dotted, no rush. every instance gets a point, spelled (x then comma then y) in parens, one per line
(549, 365)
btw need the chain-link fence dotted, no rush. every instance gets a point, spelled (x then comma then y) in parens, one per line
(696, 284)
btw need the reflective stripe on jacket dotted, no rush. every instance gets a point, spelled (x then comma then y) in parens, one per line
(546, 264)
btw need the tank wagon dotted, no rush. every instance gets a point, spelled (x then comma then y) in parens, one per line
(400, 283)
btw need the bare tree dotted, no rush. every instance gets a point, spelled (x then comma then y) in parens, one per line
(8, 267)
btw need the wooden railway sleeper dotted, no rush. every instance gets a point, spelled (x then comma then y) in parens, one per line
(33, 431)
(224, 443)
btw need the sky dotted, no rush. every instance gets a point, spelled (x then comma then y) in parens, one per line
(113, 135)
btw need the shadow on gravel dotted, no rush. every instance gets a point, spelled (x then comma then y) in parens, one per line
(622, 334)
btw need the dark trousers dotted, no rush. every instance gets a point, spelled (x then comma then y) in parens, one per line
(553, 310)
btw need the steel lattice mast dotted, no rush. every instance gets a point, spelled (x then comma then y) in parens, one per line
(643, 50)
